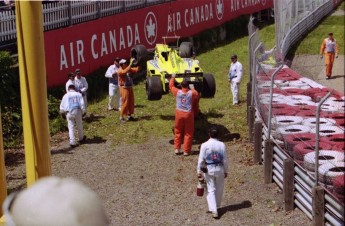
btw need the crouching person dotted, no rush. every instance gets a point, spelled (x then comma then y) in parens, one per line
(72, 107)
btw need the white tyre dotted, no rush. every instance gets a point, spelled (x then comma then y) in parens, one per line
(281, 83)
(325, 156)
(323, 121)
(329, 109)
(328, 130)
(300, 98)
(329, 171)
(292, 129)
(301, 103)
(283, 120)
(297, 83)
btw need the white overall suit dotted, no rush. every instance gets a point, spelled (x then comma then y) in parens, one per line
(73, 105)
(81, 86)
(213, 152)
(235, 76)
(114, 89)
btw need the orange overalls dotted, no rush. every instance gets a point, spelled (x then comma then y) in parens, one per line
(330, 48)
(126, 90)
(184, 116)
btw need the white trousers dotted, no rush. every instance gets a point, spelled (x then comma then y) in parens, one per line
(215, 187)
(75, 122)
(114, 94)
(235, 89)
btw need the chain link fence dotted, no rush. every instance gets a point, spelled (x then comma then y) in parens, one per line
(293, 118)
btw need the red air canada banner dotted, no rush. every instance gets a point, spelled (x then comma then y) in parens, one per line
(89, 46)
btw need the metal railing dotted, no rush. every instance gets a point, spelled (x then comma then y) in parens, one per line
(66, 13)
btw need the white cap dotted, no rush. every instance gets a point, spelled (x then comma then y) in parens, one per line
(58, 201)
(122, 61)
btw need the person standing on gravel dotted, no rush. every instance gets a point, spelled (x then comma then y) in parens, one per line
(114, 91)
(72, 108)
(213, 154)
(234, 78)
(184, 115)
(329, 47)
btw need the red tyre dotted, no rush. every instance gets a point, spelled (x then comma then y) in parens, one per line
(293, 139)
(293, 91)
(309, 114)
(300, 150)
(334, 140)
(336, 116)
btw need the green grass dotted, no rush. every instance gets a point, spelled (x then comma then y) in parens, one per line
(311, 42)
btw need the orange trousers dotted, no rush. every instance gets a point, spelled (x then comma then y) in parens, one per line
(184, 123)
(127, 97)
(329, 60)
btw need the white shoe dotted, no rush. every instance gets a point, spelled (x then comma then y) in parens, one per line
(177, 151)
(215, 214)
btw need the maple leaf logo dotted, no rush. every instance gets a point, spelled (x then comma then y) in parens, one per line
(150, 28)
(220, 9)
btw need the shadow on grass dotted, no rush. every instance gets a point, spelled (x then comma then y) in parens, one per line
(337, 76)
(94, 140)
(243, 205)
(167, 117)
(93, 118)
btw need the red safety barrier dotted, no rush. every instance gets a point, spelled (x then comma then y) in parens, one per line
(301, 149)
(293, 139)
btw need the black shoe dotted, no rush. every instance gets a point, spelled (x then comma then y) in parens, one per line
(73, 145)
(131, 118)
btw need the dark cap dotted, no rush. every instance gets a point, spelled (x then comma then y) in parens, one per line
(184, 83)
(70, 74)
(234, 56)
(117, 59)
(330, 33)
(213, 131)
(77, 70)
(71, 86)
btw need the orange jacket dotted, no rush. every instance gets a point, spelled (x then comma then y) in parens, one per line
(122, 73)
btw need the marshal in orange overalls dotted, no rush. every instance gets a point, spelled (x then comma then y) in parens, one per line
(126, 90)
(184, 116)
(329, 47)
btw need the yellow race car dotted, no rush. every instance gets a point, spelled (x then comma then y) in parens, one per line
(166, 60)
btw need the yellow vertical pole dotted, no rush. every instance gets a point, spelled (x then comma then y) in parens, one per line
(33, 89)
(3, 187)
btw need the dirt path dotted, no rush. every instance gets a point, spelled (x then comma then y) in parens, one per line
(146, 184)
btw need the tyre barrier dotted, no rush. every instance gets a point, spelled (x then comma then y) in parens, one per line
(283, 120)
(293, 139)
(299, 97)
(328, 130)
(301, 149)
(337, 103)
(297, 83)
(275, 90)
(308, 114)
(306, 108)
(325, 156)
(268, 95)
(329, 171)
(292, 129)
(328, 109)
(286, 77)
(282, 112)
(323, 121)
(318, 96)
(336, 116)
(281, 83)
(276, 100)
(338, 185)
(301, 103)
(336, 139)
(340, 122)
(292, 91)
(265, 84)
(340, 147)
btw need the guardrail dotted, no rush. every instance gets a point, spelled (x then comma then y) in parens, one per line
(66, 13)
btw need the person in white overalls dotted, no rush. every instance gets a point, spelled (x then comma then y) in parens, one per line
(73, 108)
(114, 90)
(234, 78)
(213, 154)
(81, 85)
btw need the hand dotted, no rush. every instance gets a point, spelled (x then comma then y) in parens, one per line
(321, 56)
(173, 75)
(131, 61)
(225, 175)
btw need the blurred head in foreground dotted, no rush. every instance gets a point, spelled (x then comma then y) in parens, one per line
(55, 201)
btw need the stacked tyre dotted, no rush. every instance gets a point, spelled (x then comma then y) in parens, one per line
(338, 187)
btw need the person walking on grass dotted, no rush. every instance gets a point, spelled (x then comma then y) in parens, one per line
(114, 90)
(126, 89)
(81, 85)
(72, 108)
(329, 48)
(184, 115)
(213, 154)
(234, 78)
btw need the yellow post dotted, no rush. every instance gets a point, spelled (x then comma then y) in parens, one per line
(33, 89)
(3, 187)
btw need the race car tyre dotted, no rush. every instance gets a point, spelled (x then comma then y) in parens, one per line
(323, 121)
(325, 156)
(300, 150)
(154, 88)
(140, 54)
(339, 184)
(208, 86)
(186, 50)
(329, 171)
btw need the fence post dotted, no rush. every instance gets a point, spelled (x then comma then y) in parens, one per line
(288, 188)
(251, 122)
(257, 142)
(69, 3)
(98, 9)
(249, 97)
(318, 206)
(268, 161)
